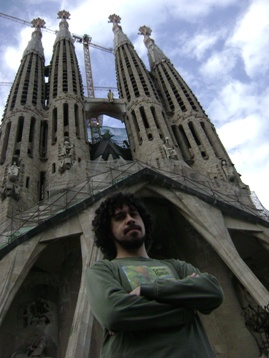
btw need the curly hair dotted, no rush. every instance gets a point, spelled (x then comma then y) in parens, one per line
(102, 221)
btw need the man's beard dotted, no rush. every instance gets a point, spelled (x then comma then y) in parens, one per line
(133, 243)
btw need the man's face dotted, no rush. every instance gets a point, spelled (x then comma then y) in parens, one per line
(128, 228)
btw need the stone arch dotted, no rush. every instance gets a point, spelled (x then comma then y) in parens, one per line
(42, 311)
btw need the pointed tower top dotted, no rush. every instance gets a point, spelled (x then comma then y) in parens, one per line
(120, 38)
(38, 23)
(64, 15)
(144, 30)
(115, 19)
(64, 32)
(155, 54)
(35, 45)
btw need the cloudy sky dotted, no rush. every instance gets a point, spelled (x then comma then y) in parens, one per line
(219, 47)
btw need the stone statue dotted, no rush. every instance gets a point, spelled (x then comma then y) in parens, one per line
(38, 313)
(36, 349)
(13, 172)
(9, 182)
(110, 96)
(228, 170)
(169, 151)
(39, 330)
(66, 157)
(256, 317)
(67, 149)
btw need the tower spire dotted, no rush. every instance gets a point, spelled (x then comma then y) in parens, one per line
(35, 45)
(155, 54)
(146, 123)
(63, 32)
(20, 150)
(192, 129)
(120, 38)
(67, 147)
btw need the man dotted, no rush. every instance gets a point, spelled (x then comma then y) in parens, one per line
(147, 307)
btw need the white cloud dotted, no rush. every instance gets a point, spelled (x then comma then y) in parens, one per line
(253, 163)
(235, 99)
(219, 65)
(197, 46)
(193, 10)
(239, 132)
(251, 38)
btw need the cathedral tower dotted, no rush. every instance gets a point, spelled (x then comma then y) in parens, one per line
(193, 131)
(146, 121)
(20, 145)
(67, 138)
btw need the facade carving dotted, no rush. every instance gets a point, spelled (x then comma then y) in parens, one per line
(66, 157)
(11, 182)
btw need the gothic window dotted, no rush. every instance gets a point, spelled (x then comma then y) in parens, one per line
(193, 132)
(77, 121)
(55, 69)
(35, 87)
(137, 129)
(145, 122)
(54, 126)
(74, 78)
(166, 91)
(184, 137)
(43, 138)
(156, 120)
(42, 185)
(182, 141)
(5, 142)
(31, 137)
(64, 66)
(20, 129)
(26, 79)
(175, 90)
(144, 117)
(16, 88)
(197, 140)
(66, 119)
(184, 87)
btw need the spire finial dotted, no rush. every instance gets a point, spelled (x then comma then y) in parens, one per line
(63, 25)
(115, 19)
(38, 23)
(145, 30)
(64, 15)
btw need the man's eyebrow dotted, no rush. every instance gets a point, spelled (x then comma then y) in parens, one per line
(117, 211)
(121, 210)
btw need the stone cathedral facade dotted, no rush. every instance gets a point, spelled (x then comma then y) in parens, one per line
(53, 179)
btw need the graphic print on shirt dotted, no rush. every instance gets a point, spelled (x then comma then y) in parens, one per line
(146, 274)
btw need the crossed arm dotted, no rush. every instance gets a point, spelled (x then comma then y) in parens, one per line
(161, 304)
(200, 292)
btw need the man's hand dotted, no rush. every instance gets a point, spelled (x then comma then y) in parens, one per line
(194, 275)
(136, 291)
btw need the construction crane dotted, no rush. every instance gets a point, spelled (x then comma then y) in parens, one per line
(98, 88)
(86, 40)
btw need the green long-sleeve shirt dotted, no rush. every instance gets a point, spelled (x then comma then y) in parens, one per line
(161, 322)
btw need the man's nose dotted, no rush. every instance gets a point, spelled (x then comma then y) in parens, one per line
(130, 219)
